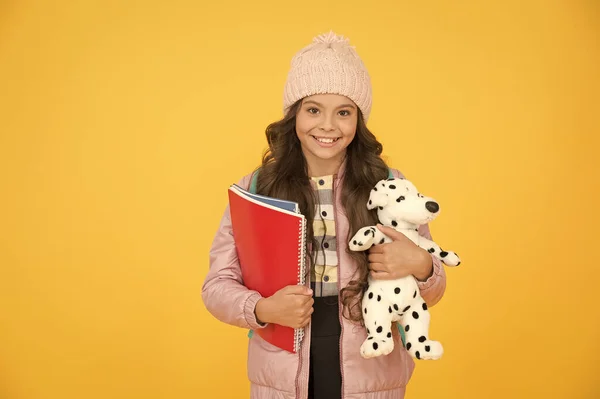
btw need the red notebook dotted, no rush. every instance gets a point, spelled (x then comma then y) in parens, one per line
(270, 238)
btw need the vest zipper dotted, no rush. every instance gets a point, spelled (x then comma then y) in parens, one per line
(339, 281)
(304, 352)
(305, 345)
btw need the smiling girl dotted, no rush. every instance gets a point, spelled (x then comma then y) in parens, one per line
(322, 156)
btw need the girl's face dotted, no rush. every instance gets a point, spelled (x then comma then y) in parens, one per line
(326, 125)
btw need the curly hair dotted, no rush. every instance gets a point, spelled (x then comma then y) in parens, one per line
(284, 174)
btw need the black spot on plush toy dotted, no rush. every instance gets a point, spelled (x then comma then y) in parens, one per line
(386, 302)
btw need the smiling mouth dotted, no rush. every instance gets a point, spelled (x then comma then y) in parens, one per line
(324, 140)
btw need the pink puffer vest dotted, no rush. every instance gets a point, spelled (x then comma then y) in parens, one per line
(274, 373)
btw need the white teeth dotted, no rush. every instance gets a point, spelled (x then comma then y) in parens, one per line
(325, 141)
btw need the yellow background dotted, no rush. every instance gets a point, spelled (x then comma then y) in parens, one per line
(123, 123)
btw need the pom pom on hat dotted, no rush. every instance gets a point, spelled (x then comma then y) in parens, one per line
(329, 38)
(329, 65)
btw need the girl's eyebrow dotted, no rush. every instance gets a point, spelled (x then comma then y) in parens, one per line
(321, 105)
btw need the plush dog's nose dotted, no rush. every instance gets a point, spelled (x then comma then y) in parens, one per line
(432, 207)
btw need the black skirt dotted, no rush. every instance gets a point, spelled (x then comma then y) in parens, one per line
(325, 378)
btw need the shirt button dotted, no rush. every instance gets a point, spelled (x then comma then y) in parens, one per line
(326, 278)
(326, 245)
(321, 182)
(324, 214)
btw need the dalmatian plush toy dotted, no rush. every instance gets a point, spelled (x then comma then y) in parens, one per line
(386, 302)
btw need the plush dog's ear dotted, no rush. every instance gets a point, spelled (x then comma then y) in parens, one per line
(377, 198)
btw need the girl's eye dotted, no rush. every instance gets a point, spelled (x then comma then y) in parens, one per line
(313, 110)
(345, 113)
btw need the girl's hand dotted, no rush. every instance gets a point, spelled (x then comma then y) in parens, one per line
(291, 306)
(399, 258)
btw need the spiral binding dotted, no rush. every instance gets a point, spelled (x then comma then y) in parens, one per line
(299, 332)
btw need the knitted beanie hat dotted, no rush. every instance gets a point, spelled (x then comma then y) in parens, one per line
(328, 65)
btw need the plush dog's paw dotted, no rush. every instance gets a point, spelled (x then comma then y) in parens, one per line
(363, 239)
(426, 350)
(450, 258)
(373, 347)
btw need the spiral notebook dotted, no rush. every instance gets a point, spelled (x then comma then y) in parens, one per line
(270, 238)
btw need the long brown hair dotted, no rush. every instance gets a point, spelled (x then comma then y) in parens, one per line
(284, 174)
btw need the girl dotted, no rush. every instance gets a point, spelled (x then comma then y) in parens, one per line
(323, 156)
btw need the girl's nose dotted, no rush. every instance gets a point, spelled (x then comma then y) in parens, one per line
(327, 125)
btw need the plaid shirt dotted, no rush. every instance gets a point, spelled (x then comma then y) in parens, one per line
(324, 274)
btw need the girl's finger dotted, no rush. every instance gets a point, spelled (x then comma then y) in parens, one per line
(380, 275)
(378, 267)
(376, 258)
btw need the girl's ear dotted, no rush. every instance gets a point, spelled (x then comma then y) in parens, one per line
(378, 197)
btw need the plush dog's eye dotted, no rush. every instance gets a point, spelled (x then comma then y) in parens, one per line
(392, 187)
